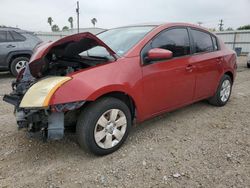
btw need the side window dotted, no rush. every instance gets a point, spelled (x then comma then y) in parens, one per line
(202, 41)
(17, 36)
(5, 36)
(175, 40)
(215, 43)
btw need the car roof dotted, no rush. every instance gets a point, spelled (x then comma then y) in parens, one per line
(14, 29)
(166, 24)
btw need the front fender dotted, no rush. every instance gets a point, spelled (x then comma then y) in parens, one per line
(77, 90)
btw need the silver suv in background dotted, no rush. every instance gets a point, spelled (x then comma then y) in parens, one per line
(16, 47)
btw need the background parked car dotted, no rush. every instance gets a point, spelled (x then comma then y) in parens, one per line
(16, 47)
(248, 60)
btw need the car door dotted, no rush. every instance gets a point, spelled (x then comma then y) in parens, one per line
(169, 83)
(207, 60)
(6, 46)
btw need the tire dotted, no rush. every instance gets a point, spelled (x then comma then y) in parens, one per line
(248, 65)
(218, 99)
(18, 64)
(88, 127)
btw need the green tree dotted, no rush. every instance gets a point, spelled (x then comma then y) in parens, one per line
(244, 27)
(212, 29)
(94, 21)
(70, 20)
(50, 20)
(55, 28)
(229, 29)
(65, 28)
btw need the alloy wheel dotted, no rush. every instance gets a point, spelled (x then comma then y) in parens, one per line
(225, 90)
(20, 65)
(110, 128)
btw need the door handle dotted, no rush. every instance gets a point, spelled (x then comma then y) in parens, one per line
(219, 59)
(189, 68)
(10, 46)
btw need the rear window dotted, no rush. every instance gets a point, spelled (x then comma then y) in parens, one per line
(202, 41)
(17, 37)
(215, 43)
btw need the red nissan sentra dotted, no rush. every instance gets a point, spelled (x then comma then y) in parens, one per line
(100, 84)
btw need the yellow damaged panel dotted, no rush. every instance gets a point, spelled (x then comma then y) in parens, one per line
(39, 94)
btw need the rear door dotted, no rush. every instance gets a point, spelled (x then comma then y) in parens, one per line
(207, 60)
(6, 46)
(169, 83)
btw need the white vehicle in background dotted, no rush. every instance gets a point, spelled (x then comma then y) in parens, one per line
(248, 60)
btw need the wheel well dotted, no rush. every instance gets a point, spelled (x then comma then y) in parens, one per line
(18, 55)
(128, 100)
(231, 75)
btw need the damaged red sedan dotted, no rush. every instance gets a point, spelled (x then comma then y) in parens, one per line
(100, 84)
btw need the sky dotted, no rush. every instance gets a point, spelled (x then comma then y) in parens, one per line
(33, 14)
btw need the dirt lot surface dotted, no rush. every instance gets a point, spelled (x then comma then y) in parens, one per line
(196, 146)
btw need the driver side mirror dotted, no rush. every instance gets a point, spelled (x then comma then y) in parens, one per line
(157, 54)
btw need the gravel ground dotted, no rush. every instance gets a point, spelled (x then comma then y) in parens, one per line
(196, 146)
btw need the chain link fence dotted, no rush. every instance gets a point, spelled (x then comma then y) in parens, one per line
(236, 40)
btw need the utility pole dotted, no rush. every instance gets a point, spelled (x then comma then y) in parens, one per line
(77, 12)
(221, 25)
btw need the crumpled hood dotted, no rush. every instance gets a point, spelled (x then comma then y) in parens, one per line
(68, 47)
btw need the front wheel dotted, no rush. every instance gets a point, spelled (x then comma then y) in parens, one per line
(248, 64)
(103, 126)
(223, 92)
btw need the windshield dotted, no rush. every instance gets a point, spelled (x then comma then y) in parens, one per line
(120, 40)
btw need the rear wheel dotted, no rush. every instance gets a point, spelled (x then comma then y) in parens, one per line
(18, 64)
(223, 92)
(248, 65)
(103, 126)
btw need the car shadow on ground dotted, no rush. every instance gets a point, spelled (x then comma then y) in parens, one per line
(4, 75)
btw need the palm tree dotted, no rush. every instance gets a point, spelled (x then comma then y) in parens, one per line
(94, 21)
(65, 28)
(50, 20)
(70, 20)
(55, 28)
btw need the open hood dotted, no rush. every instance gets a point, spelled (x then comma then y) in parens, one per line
(86, 40)
(67, 47)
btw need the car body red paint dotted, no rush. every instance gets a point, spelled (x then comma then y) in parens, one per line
(154, 88)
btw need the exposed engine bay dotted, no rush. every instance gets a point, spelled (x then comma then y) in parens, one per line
(68, 57)
(43, 74)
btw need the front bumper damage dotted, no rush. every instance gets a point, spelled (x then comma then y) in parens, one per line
(31, 97)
